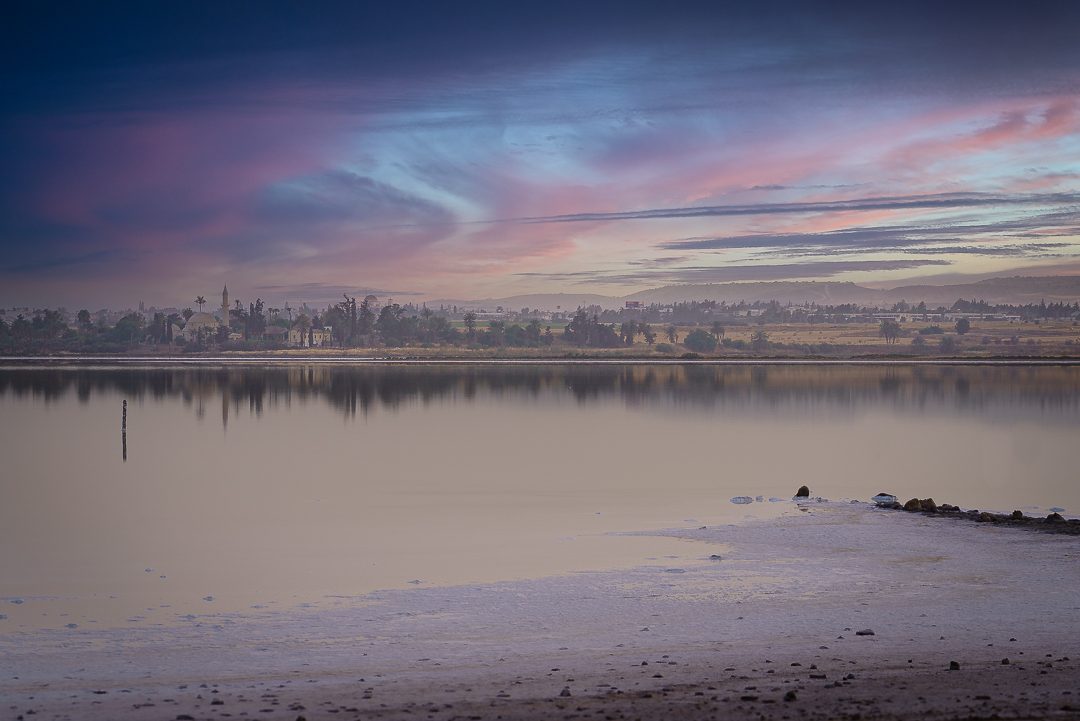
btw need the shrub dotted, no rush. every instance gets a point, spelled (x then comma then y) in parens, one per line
(700, 341)
(932, 330)
(665, 348)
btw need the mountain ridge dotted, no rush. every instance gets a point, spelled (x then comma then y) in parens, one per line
(1004, 289)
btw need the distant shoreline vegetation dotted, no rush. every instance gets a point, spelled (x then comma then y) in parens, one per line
(969, 328)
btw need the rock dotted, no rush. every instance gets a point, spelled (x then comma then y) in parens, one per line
(948, 508)
(954, 666)
(565, 693)
(883, 499)
(715, 557)
(984, 517)
(1017, 515)
(790, 696)
(1055, 518)
(803, 492)
(865, 632)
(913, 505)
(1004, 662)
(742, 500)
(928, 505)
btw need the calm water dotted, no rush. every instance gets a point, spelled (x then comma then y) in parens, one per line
(272, 487)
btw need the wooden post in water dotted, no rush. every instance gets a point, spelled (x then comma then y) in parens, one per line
(123, 430)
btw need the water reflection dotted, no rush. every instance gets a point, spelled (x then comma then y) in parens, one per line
(1016, 391)
(317, 481)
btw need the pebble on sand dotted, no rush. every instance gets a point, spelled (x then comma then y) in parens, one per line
(865, 632)
(954, 666)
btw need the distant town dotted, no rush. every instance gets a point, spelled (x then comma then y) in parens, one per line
(691, 327)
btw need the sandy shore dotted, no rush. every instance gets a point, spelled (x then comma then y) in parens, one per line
(769, 631)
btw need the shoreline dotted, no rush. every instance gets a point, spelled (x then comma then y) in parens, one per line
(777, 614)
(345, 360)
(1053, 522)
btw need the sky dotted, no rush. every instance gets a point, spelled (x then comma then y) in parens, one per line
(297, 151)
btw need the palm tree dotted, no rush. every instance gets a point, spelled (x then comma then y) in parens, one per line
(303, 323)
(470, 324)
(200, 301)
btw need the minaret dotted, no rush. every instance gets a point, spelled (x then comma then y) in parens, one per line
(225, 305)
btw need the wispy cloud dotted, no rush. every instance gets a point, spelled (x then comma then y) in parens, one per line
(893, 237)
(937, 201)
(722, 274)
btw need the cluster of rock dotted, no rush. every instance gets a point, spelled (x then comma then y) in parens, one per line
(1054, 522)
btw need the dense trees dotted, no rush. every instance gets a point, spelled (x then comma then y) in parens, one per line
(587, 330)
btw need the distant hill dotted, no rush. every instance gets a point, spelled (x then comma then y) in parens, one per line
(826, 293)
(543, 301)
(1016, 289)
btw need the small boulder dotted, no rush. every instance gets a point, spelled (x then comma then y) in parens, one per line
(865, 632)
(985, 517)
(803, 492)
(790, 696)
(1017, 515)
(1004, 662)
(928, 505)
(565, 693)
(913, 505)
(1055, 518)
(954, 666)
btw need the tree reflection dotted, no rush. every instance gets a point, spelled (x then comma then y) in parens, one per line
(360, 389)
